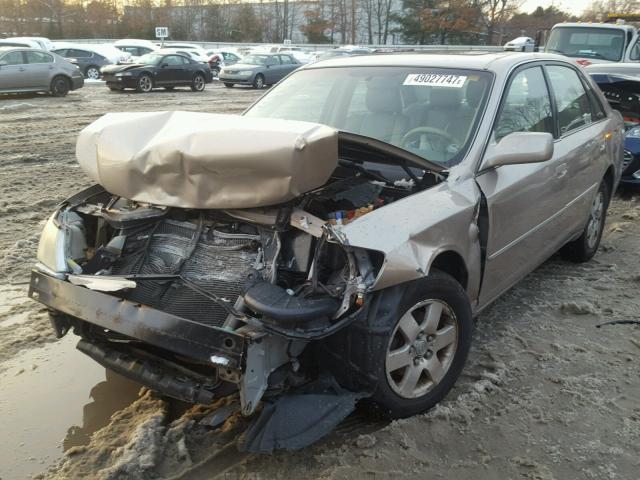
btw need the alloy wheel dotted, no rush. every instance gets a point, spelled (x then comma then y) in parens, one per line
(93, 73)
(198, 83)
(595, 220)
(422, 348)
(145, 84)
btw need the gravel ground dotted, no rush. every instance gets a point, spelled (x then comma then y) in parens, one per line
(545, 395)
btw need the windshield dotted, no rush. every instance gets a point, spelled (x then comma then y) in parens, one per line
(255, 59)
(150, 59)
(588, 42)
(431, 112)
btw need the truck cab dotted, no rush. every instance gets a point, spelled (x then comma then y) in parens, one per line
(590, 43)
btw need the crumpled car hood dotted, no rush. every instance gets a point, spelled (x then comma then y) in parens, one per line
(201, 160)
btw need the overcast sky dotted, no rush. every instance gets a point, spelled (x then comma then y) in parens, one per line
(573, 6)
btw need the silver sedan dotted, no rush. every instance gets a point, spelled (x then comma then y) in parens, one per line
(34, 70)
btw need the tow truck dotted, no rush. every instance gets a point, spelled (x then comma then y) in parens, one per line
(591, 43)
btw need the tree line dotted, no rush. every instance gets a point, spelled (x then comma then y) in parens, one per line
(486, 22)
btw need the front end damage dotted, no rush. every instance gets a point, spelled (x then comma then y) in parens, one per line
(198, 302)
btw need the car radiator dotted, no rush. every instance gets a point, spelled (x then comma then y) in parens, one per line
(217, 262)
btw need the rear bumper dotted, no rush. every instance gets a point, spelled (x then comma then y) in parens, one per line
(215, 345)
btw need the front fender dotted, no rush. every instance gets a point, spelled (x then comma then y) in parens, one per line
(413, 231)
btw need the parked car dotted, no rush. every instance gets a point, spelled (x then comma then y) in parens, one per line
(34, 42)
(259, 70)
(620, 84)
(342, 52)
(35, 70)
(192, 54)
(87, 61)
(108, 51)
(153, 70)
(218, 59)
(335, 241)
(194, 50)
(136, 48)
(521, 44)
(6, 42)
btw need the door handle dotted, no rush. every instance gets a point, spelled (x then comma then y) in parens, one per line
(21, 69)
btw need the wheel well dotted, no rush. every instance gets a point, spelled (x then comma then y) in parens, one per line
(608, 178)
(61, 75)
(452, 263)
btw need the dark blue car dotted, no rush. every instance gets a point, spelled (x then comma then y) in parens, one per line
(621, 86)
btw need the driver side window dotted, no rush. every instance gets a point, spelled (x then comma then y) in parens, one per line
(526, 106)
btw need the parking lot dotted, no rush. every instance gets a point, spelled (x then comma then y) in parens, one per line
(545, 394)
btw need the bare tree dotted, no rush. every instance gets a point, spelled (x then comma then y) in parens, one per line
(495, 14)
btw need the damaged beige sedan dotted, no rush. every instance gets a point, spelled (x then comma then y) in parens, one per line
(334, 243)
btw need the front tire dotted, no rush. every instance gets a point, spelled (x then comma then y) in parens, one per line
(198, 83)
(585, 247)
(60, 86)
(258, 82)
(409, 350)
(145, 84)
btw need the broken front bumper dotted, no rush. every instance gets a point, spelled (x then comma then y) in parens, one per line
(217, 346)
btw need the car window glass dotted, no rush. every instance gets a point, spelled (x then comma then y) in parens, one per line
(185, 61)
(74, 52)
(286, 59)
(13, 58)
(574, 110)
(38, 57)
(597, 111)
(173, 60)
(384, 103)
(526, 106)
(62, 52)
(272, 60)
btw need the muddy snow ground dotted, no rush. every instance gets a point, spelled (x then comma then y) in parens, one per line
(545, 395)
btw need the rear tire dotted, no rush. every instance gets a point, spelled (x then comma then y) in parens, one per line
(585, 247)
(198, 83)
(60, 86)
(229, 85)
(145, 84)
(92, 72)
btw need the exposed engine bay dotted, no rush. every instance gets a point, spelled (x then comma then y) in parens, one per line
(278, 277)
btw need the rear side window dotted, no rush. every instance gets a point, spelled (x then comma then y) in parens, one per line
(526, 106)
(574, 108)
(38, 57)
(13, 58)
(74, 52)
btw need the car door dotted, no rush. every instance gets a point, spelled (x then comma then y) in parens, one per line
(272, 69)
(584, 140)
(170, 71)
(12, 71)
(83, 58)
(289, 64)
(524, 202)
(40, 68)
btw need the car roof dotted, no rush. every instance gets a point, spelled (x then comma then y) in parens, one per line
(4, 49)
(612, 26)
(501, 62)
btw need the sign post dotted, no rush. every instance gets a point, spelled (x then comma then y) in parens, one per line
(162, 33)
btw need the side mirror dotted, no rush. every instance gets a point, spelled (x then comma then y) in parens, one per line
(164, 65)
(519, 147)
(2, 63)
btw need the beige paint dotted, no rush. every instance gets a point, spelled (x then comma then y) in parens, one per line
(200, 160)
